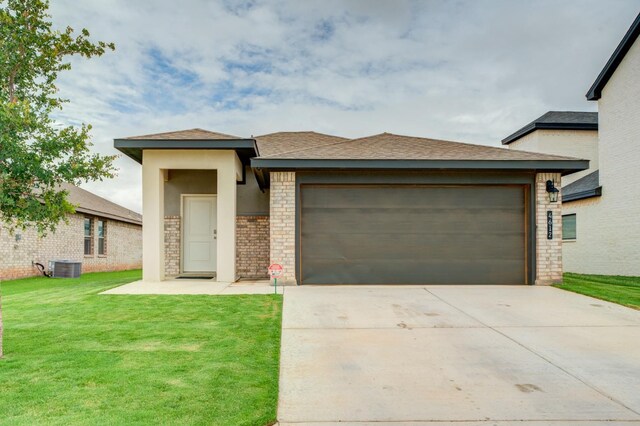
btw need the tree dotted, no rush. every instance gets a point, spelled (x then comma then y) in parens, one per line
(37, 153)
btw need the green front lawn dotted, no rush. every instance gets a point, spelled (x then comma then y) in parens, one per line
(617, 289)
(73, 357)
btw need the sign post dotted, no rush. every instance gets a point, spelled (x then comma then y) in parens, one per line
(275, 270)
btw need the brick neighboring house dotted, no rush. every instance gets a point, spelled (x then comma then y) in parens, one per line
(601, 205)
(383, 209)
(103, 235)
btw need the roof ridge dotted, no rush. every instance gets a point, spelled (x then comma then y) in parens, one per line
(299, 131)
(475, 145)
(173, 132)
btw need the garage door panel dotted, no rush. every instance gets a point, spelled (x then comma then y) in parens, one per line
(413, 220)
(368, 234)
(409, 271)
(419, 246)
(392, 197)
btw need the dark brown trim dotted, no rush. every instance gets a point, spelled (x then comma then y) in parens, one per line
(561, 166)
(595, 91)
(596, 192)
(134, 148)
(531, 127)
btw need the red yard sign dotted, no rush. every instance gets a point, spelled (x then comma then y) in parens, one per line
(275, 270)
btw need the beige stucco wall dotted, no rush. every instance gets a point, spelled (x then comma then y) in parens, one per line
(123, 248)
(155, 165)
(581, 144)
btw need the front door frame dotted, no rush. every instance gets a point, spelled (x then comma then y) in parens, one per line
(182, 228)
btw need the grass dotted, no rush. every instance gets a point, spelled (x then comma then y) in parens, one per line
(622, 290)
(73, 357)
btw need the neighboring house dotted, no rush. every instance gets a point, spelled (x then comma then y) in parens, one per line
(601, 209)
(383, 209)
(102, 235)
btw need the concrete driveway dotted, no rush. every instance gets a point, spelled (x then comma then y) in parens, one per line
(461, 354)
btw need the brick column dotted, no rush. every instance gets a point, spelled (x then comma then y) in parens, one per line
(548, 251)
(252, 246)
(283, 223)
(171, 246)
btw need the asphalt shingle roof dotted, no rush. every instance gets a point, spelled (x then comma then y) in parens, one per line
(281, 143)
(308, 145)
(388, 146)
(558, 120)
(93, 204)
(585, 187)
(190, 134)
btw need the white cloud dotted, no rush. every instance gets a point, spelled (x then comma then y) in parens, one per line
(461, 70)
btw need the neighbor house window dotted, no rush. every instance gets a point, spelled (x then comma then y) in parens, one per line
(102, 235)
(88, 236)
(569, 227)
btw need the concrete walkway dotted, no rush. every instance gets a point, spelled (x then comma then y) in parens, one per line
(465, 355)
(192, 286)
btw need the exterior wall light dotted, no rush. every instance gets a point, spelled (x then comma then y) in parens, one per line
(553, 191)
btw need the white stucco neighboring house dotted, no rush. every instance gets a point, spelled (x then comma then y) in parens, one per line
(601, 205)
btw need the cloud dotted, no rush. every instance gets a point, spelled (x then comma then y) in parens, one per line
(460, 70)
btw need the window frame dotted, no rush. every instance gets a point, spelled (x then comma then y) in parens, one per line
(89, 237)
(102, 237)
(575, 223)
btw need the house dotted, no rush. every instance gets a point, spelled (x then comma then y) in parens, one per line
(382, 209)
(102, 235)
(601, 205)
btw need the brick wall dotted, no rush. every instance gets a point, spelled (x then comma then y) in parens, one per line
(17, 251)
(283, 223)
(548, 252)
(172, 246)
(252, 246)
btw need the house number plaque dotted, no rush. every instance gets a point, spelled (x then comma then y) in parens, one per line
(549, 225)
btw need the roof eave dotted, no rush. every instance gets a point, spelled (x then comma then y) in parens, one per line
(133, 148)
(99, 213)
(563, 166)
(532, 127)
(595, 91)
(596, 192)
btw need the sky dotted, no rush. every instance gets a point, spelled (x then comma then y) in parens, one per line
(470, 71)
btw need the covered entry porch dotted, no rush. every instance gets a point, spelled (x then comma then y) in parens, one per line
(189, 204)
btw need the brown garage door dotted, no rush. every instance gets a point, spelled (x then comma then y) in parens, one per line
(401, 234)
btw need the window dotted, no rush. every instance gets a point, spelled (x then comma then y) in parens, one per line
(102, 237)
(569, 227)
(88, 236)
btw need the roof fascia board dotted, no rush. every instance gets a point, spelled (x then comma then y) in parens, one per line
(547, 126)
(595, 91)
(565, 166)
(133, 147)
(596, 192)
(184, 143)
(106, 215)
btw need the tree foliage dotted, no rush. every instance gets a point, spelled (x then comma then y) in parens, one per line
(37, 153)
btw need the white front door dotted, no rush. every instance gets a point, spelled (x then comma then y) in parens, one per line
(199, 233)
